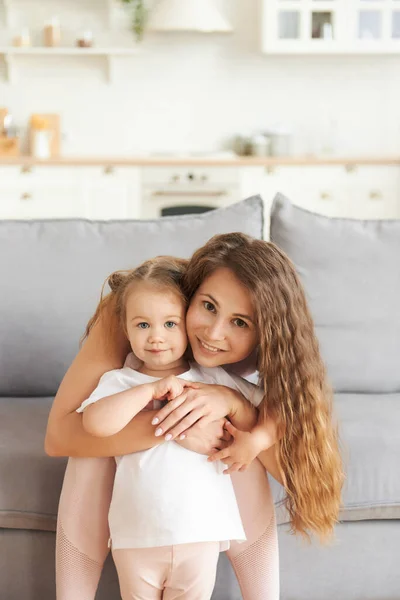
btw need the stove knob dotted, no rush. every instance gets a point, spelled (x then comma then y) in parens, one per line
(191, 176)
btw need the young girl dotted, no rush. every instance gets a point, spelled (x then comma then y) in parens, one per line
(170, 508)
(245, 299)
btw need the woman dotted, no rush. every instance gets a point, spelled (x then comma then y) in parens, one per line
(245, 298)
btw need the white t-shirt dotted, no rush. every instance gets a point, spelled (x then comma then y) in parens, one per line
(169, 495)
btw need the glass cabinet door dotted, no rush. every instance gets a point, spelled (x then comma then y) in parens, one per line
(378, 20)
(331, 26)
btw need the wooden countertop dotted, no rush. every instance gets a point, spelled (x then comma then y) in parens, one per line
(240, 161)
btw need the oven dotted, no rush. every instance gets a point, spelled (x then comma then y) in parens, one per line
(169, 191)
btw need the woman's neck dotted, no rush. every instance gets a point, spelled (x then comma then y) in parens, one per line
(175, 369)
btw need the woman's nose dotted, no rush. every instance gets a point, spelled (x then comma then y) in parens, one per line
(215, 331)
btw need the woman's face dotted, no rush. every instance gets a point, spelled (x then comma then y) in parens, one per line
(221, 321)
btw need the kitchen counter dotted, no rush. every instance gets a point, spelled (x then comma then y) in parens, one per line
(240, 161)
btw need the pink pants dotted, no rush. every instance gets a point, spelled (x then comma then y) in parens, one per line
(82, 531)
(183, 572)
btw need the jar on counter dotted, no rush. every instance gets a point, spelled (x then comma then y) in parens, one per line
(281, 142)
(260, 145)
(41, 144)
(41, 137)
(85, 40)
(52, 33)
(23, 40)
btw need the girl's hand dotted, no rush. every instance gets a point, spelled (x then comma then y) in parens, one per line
(168, 388)
(199, 404)
(240, 453)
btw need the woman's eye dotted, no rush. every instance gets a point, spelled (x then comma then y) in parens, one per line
(209, 306)
(240, 323)
(143, 325)
(170, 324)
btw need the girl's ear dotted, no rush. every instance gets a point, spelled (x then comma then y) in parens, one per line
(115, 280)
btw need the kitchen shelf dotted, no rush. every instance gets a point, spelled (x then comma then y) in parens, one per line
(109, 5)
(107, 52)
(234, 161)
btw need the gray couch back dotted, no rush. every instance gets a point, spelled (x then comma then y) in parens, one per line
(351, 272)
(52, 273)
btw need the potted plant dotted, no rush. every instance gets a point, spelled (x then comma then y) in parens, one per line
(139, 14)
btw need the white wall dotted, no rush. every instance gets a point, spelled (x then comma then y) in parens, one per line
(192, 92)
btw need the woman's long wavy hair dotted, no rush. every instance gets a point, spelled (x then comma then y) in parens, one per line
(292, 375)
(163, 272)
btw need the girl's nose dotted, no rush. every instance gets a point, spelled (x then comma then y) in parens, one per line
(156, 336)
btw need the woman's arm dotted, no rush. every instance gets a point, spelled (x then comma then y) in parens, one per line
(268, 459)
(65, 434)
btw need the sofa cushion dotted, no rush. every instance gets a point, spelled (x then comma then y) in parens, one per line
(52, 273)
(30, 481)
(370, 443)
(351, 273)
(370, 424)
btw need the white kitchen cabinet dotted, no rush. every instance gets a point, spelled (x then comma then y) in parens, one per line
(331, 26)
(336, 191)
(374, 192)
(69, 192)
(32, 194)
(112, 193)
(362, 192)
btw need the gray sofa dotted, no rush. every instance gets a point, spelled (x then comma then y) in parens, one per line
(51, 275)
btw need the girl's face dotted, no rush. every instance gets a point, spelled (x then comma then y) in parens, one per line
(221, 321)
(155, 323)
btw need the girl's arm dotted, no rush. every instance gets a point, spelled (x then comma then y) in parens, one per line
(111, 414)
(65, 434)
(107, 415)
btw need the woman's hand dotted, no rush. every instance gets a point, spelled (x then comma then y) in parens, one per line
(206, 441)
(244, 448)
(200, 404)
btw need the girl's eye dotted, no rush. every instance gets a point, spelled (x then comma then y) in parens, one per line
(209, 306)
(240, 323)
(143, 325)
(170, 324)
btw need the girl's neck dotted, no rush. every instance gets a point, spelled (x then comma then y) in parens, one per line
(174, 369)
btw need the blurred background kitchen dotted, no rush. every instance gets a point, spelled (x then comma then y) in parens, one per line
(147, 108)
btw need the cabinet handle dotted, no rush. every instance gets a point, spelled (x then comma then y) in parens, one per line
(109, 170)
(325, 196)
(270, 170)
(183, 194)
(375, 195)
(26, 169)
(26, 196)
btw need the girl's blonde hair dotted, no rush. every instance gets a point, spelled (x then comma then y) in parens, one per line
(162, 272)
(292, 375)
